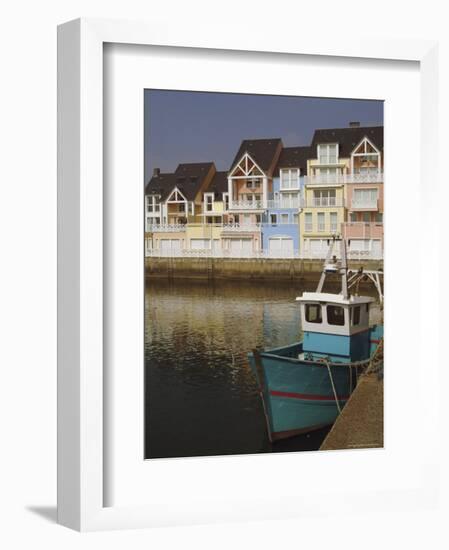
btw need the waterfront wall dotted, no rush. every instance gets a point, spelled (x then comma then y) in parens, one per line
(242, 268)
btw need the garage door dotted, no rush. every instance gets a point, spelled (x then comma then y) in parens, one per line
(376, 249)
(200, 244)
(281, 246)
(241, 247)
(170, 246)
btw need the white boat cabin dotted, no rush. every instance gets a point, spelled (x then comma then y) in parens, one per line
(334, 314)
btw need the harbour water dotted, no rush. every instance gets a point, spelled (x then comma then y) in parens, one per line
(200, 395)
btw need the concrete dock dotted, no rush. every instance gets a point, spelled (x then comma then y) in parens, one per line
(361, 422)
(280, 269)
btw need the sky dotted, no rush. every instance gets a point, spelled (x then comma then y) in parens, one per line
(204, 126)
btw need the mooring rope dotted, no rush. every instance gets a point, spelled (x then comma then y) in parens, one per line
(333, 386)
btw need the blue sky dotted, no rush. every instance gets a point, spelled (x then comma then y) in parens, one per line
(203, 126)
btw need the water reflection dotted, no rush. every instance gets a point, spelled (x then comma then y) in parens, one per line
(200, 395)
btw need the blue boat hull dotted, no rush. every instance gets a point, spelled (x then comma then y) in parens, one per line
(297, 395)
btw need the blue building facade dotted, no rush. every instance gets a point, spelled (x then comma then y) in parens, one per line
(280, 229)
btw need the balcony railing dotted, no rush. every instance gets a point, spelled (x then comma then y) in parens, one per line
(284, 203)
(362, 230)
(260, 254)
(322, 228)
(239, 227)
(324, 201)
(334, 179)
(166, 227)
(364, 204)
(246, 205)
(350, 254)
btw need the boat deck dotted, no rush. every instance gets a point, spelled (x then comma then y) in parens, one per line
(361, 422)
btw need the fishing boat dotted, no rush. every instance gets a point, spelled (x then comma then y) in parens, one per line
(305, 385)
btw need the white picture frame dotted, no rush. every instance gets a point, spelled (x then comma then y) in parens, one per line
(81, 408)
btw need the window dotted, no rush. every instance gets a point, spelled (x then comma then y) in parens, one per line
(321, 221)
(226, 201)
(379, 217)
(153, 204)
(253, 184)
(355, 315)
(366, 217)
(289, 200)
(273, 219)
(334, 222)
(353, 217)
(313, 313)
(328, 153)
(335, 315)
(257, 218)
(308, 222)
(296, 218)
(325, 197)
(289, 178)
(365, 197)
(284, 218)
(209, 200)
(257, 197)
(181, 207)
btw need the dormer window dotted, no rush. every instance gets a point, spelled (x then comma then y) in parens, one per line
(328, 153)
(289, 178)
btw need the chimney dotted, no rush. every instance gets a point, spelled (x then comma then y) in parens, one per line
(354, 124)
(156, 172)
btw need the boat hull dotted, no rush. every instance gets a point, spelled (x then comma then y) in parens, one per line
(300, 396)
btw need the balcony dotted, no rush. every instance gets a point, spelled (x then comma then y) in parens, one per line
(339, 179)
(284, 203)
(362, 230)
(246, 205)
(365, 204)
(322, 202)
(321, 228)
(241, 227)
(166, 227)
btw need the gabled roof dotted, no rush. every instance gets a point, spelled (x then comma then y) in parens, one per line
(293, 157)
(262, 151)
(162, 185)
(219, 183)
(188, 178)
(348, 138)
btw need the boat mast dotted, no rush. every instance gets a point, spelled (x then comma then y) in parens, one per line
(319, 288)
(344, 270)
(328, 267)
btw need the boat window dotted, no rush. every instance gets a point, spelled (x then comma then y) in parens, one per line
(313, 313)
(356, 315)
(335, 315)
